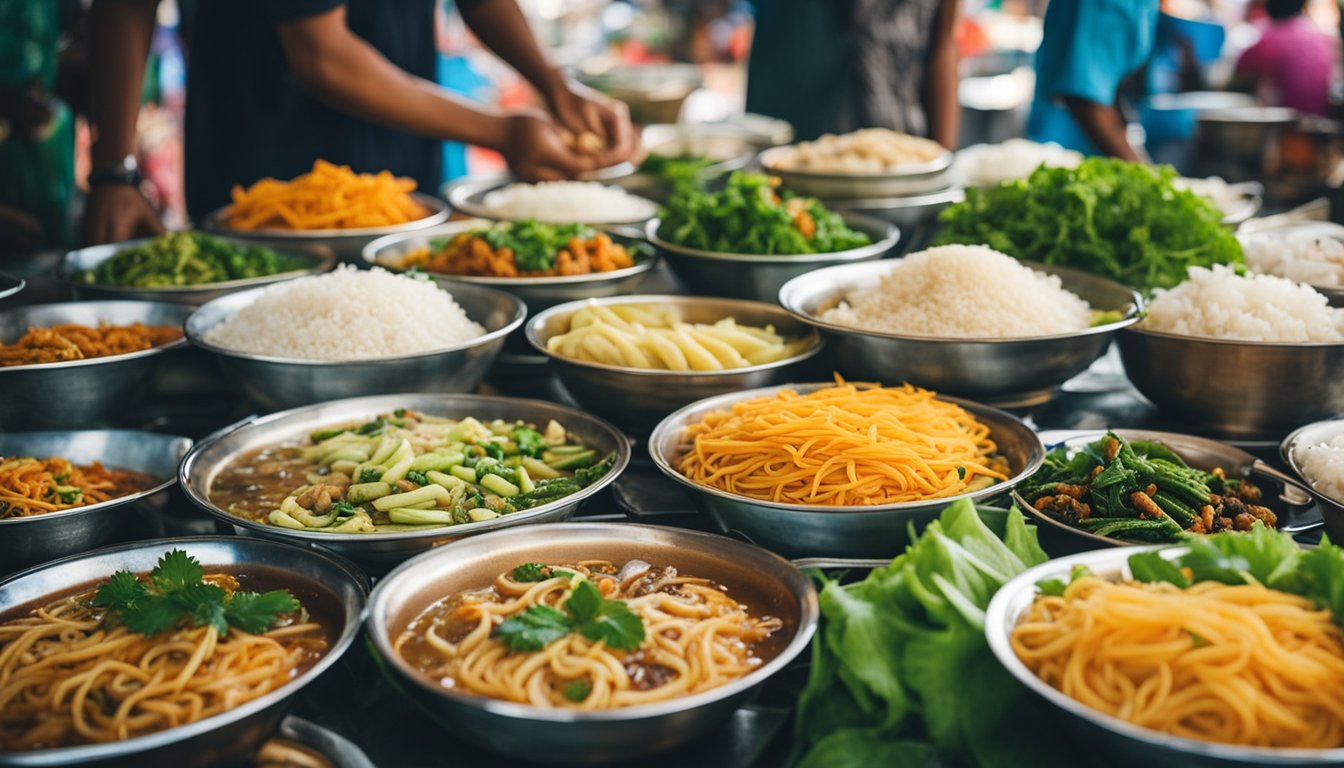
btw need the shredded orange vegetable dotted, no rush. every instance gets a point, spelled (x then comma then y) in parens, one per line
(31, 486)
(328, 197)
(72, 341)
(843, 445)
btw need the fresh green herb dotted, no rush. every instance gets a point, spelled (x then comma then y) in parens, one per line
(1122, 220)
(586, 612)
(176, 594)
(370, 475)
(897, 653)
(418, 478)
(534, 245)
(749, 217)
(529, 572)
(578, 690)
(343, 509)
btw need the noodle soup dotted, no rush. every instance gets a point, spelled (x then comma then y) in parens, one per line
(136, 654)
(590, 636)
(30, 486)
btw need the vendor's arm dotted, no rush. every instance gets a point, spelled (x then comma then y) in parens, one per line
(940, 84)
(503, 28)
(120, 32)
(344, 70)
(1104, 125)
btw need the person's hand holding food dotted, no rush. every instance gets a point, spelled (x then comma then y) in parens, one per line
(536, 150)
(594, 124)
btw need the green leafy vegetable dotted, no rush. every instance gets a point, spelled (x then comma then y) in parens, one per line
(749, 217)
(417, 477)
(530, 572)
(898, 652)
(176, 595)
(1122, 220)
(188, 258)
(534, 245)
(370, 475)
(585, 611)
(528, 440)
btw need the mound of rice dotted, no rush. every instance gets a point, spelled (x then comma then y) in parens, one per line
(1323, 466)
(348, 314)
(1305, 258)
(1218, 303)
(562, 202)
(963, 292)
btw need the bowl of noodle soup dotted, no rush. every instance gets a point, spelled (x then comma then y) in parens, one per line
(839, 469)
(1197, 716)
(231, 700)
(719, 617)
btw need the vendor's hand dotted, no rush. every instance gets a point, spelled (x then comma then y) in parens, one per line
(116, 212)
(536, 151)
(599, 126)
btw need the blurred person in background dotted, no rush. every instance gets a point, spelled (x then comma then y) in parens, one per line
(273, 85)
(833, 66)
(1089, 50)
(1293, 63)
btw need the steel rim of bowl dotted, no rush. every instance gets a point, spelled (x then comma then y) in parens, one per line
(438, 213)
(534, 325)
(463, 196)
(371, 253)
(65, 272)
(183, 447)
(1285, 346)
(789, 301)
(949, 196)
(1288, 452)
(770, 161)
(622, 449)
(660, 433)
(182, 310)
(197, 335)
(11, 284)
(809, 615)
(891, 234)
(997, 634)
(139, 744)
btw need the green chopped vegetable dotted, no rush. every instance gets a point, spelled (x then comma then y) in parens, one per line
(749, 217)
(1122, 220)
(585, 611)
(534, 245)
(188, 258)
(529, 572)
(900, 667)
(177, 595)
(578, 690)
(417, 477)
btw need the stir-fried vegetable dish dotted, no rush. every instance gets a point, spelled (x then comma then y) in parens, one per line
(188, 258)
(521, 249)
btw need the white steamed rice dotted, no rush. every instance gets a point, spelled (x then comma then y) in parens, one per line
(1323, 466)
(963, 292)
(348, 314)
(1218, 303)
(1306, 258)
(562, 202)
(985, 165)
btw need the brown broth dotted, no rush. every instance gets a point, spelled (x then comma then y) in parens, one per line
(255, 484)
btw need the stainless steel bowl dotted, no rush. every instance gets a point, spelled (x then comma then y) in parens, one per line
(637, 399)
(1238, 389)
(229, 738)
(727, 147)
(275, 383)
(81, 393)
(379, 551)
(914, 179)
(468, 197)
(346, 244)
(750, 276)
(916, 215)
(538, 292)
(567, 737)
(1113, 736)
(1332, 508)
(1289, 498)
(797, 530)
(1006, 372)
(315, 260)
(1299, 232)
(27, 541)
(10, 284)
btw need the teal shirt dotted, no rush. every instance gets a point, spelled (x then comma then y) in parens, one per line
(801, 68)
(1089, 47)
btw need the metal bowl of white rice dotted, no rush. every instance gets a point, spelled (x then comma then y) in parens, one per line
(1316, 453)
(1310, 252)
(963, 320)
(551, 202)
(351, 333)
(1246, 357)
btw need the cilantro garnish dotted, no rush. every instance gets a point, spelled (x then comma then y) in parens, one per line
(578, 690)
(176, 594)
(530, 572)
(586, 612)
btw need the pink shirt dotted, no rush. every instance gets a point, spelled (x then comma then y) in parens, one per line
(1292, 65)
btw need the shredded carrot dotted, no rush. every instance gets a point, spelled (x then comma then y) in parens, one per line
(328, 197)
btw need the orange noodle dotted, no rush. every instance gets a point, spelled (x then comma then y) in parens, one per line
(67, 678)
(842, 445)
(1241, 665)
(697, 637)
(31, 486)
